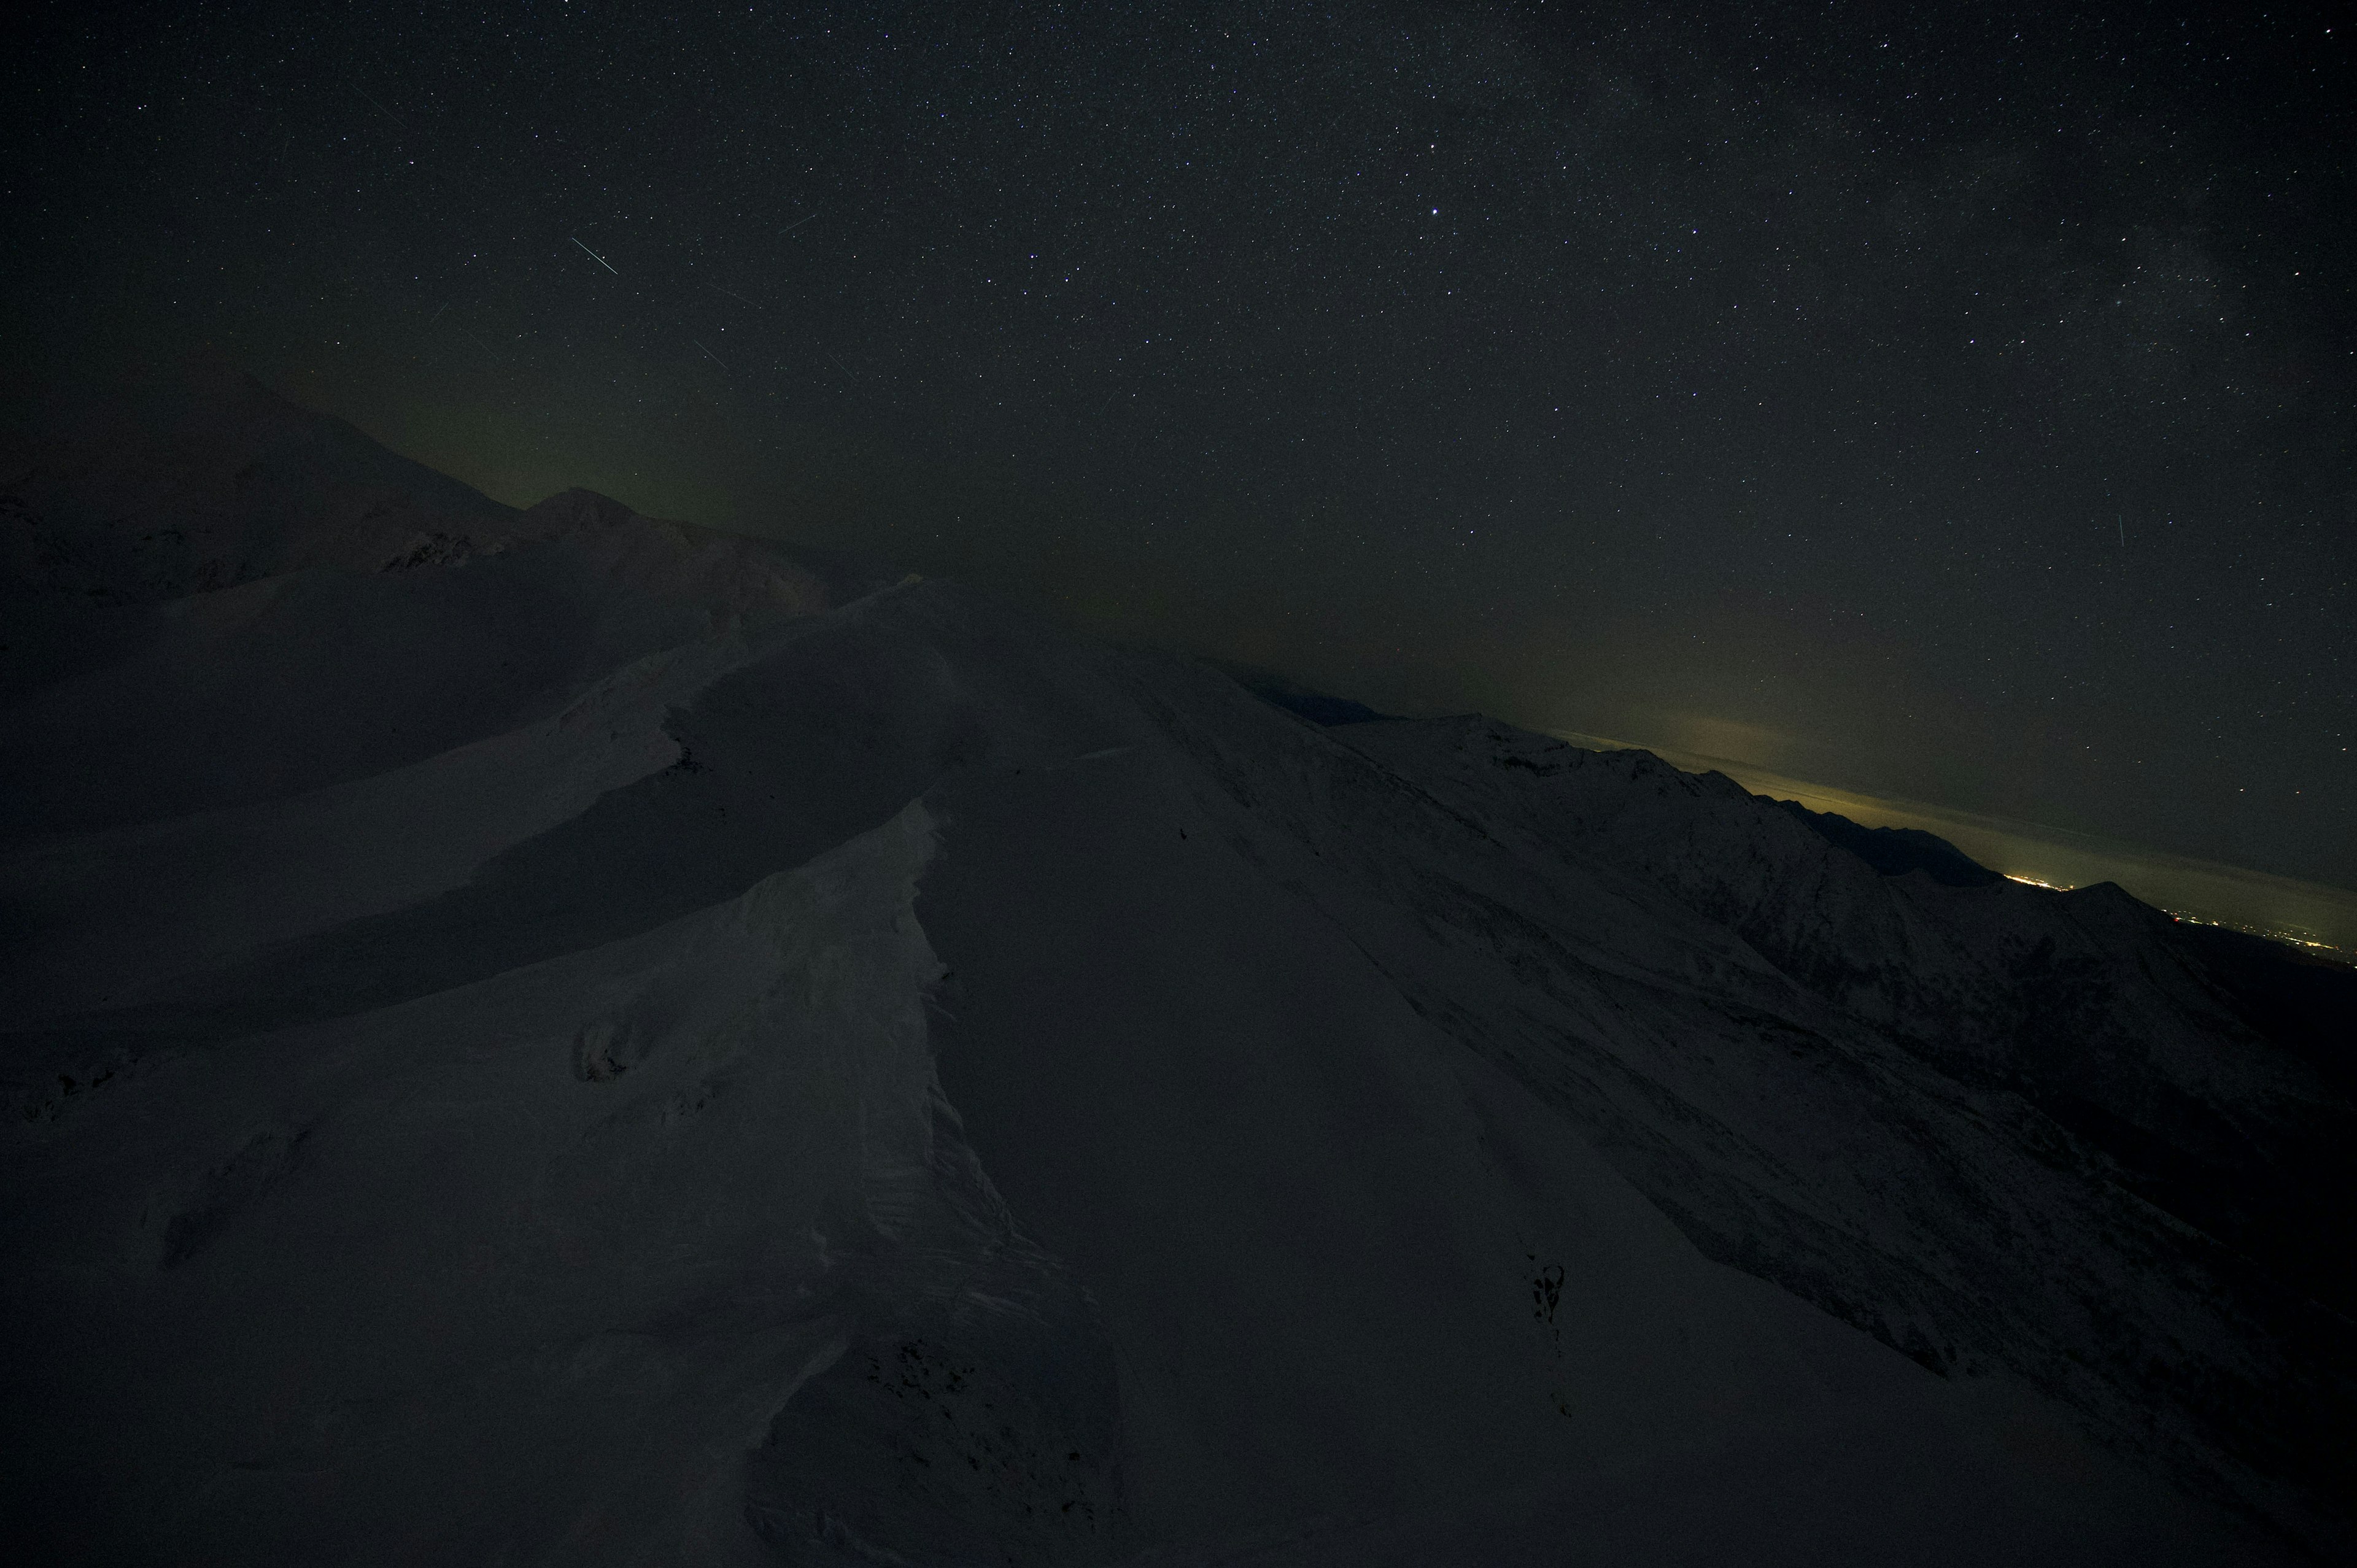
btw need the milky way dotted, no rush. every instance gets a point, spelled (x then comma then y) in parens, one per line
(1957, 407)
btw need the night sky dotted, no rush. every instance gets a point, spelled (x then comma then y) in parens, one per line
(1958, 406)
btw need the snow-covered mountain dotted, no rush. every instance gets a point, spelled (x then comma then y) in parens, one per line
(559, 1037)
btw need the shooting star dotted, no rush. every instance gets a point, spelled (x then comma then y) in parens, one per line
(594, 256)
(2123, 522)
(438, 315)
(737, 297)
(711, 355)
(798, 224)
(381, 108)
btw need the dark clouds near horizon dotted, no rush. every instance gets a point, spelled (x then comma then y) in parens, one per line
(1956, 404)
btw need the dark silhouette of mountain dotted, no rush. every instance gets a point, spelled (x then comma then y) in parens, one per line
(1319, 707)
(2304, 1003)
(1895, 852)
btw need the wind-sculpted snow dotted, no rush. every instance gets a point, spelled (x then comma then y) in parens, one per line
(630, 1046)
(272, 872)
(394, 1280)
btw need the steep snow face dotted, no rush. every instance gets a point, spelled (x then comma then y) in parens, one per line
(1944, 1212)
(684, 1060)
(1353, 1271)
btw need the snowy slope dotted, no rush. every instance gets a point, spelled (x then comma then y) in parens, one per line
(2100, 1012)
(634, 1046)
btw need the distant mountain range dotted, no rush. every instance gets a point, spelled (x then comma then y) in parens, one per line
(563, 1037)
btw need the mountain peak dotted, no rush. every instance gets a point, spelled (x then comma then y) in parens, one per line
(579, 507)
(203, 479)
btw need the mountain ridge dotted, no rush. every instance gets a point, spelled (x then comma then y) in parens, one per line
(654, 1100)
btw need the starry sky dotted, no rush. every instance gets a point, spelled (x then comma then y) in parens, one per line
(1958, 404)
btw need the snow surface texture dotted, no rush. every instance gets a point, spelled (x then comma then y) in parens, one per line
(633, 1046)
